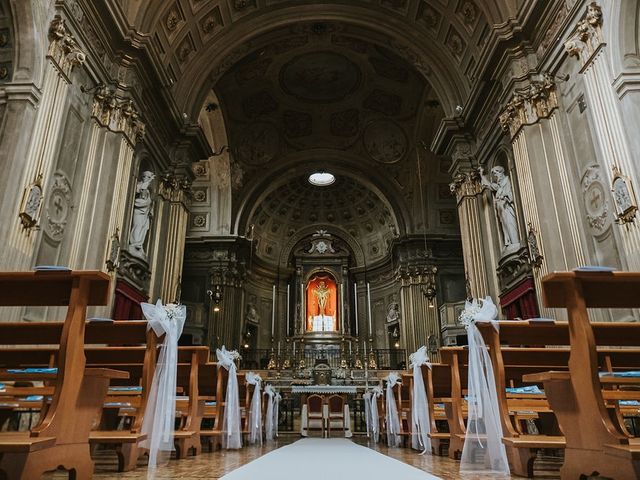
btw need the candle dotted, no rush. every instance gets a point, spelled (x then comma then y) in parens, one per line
(303, 314)
(369, 306)
(273, 312)
(294, 349)
(349, 348)
(342, 306)
(355, 302)
(278, 348)
(288, 294)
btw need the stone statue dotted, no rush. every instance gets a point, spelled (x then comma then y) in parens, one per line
(393, 312)
(504, 205)
(322, 295)
(251, 314)
(141, 215)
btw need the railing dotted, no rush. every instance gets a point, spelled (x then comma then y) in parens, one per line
(385, 359)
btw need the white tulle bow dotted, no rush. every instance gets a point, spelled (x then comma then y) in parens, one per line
(271, 418)
(255, 410)
(167, 320)
(393, 419)
(483, 412)
(366, 396)
(231, 437)
(420, 420)
(376, 392)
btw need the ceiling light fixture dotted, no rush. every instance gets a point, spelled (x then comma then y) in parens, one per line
(321, 179)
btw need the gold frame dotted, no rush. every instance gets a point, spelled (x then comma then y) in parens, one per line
(625, 213)
(31, 221)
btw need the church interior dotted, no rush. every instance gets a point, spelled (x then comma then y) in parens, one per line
(322, 239)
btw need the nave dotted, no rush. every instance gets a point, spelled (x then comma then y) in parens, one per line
(214, 465)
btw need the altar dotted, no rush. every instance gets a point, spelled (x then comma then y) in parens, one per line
(326, 392)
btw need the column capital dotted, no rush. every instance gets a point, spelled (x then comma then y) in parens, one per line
(175, 187)
(586, 38)
(466, 184)
(64, 51)
(117, 114)
(530, 104)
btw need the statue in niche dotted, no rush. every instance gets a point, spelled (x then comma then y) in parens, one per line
(141, 215)
(252, 314)
(393, 312)
(504, 205)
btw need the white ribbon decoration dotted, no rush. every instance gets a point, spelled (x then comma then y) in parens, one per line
(255, 410)
(231, 437)
(393, 420)
(376, 392)
(268, 421)
(160, 413)
(366, 396)
(276, 412)
(420, 421)
(483, 448)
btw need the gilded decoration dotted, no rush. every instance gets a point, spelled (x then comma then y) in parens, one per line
(530, 105)
(175, 188)
(587, 37)
(624, 197)
(466, 184)
(64, 51)
(31, 203)
(117, 114)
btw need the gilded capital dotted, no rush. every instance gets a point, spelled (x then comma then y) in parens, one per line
(586, 37)
(175, 188)
(64, 51)
(117, 114)
(467, 184)
(529, 105)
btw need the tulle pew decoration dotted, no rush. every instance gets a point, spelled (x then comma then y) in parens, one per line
(231, 436)
(483, 449)
(374, 416)
(420, 420)
(159, 419)
(392, 417)
(255, 410)
(366, 396)
(271, 417)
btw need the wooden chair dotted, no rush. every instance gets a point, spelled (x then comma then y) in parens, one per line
(595, 441)
(315, 413)
(336, 418)
(61, 437)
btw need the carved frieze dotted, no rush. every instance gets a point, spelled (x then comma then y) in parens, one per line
(117, 114)
(587, 37)
(64, 51)
(528, 106)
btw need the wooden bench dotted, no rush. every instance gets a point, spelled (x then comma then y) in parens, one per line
(61, 437)
(595, 442)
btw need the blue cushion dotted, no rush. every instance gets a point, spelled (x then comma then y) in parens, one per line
(629, 403)
(33, 398)
(532, 389)
(126, 389)
(630, 373)
(32, 370)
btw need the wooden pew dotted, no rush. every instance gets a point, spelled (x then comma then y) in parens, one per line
(595, 442)
(209, 385)
(61, 437)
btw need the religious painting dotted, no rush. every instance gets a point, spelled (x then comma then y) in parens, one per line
(623, 197)
(322, 303)
(385, 141)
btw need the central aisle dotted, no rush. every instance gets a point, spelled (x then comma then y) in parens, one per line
(326, 459)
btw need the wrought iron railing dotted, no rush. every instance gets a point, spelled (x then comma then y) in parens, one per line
(384, 359)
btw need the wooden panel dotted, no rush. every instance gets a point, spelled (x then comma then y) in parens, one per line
(599, 289)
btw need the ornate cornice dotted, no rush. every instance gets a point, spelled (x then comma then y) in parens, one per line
(586, 39)
(529, 105)
(64, 52)
(117, 114)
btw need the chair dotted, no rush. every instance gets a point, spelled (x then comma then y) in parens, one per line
(315, 413)
(336, 413)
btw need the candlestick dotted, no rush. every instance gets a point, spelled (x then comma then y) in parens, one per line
(349, 347)
(294, 349)
(355, 301)
(342, 306)
(369, 305)
(288, 307)
(273, 312)
(278, 348)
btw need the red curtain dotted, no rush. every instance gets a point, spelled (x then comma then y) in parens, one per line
(127, 302)
(520, 301)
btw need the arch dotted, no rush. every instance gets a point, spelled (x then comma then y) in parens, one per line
(29, 53)
(303, 162)
(622, 29)
(448, 81)
(352, 243)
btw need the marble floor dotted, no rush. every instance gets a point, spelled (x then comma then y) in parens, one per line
(216, 464)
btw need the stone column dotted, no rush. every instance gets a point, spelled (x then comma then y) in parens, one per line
(168, 253)
(63, 56)
(587, 45)
(467, 188)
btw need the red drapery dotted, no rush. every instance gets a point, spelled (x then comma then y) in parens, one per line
(520, 301)
(127, 302)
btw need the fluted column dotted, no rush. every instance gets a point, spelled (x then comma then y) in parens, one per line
(467, 188)
(63, 56)
(587, 45)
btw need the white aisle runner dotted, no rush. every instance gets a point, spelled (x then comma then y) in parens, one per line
(326, 459)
